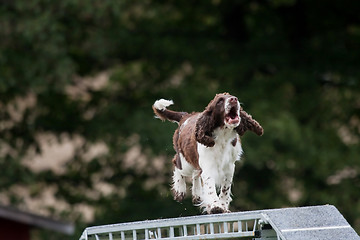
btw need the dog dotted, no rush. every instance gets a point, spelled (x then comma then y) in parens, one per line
(207, 145)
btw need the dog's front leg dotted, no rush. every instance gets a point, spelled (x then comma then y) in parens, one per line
(211, 202)
(225, 193)
(225, 187)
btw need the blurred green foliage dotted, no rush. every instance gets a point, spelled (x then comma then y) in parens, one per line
(293, 64)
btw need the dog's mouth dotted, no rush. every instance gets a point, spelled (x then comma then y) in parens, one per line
(232, 116)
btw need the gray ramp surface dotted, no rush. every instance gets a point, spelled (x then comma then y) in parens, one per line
(318, 222)
(300, 223)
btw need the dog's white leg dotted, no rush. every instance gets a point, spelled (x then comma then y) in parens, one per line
(179, 185)
(225, 193)
(196, 188)
(211, 202)
(225, 188)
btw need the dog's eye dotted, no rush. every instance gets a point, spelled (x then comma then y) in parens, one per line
(221, 100)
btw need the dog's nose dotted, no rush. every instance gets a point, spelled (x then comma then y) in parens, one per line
(233, 99)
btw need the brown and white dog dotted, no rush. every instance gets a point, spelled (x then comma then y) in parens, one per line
(207, 144)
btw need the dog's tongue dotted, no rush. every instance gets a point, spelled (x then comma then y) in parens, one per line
(233, 120)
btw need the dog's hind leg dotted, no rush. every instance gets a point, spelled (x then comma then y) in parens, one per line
(179, 185)
(196, 188)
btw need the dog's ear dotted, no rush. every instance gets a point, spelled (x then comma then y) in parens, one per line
(248, 123)
(204, 127)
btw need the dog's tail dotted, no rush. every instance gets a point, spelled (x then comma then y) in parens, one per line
(163, 113)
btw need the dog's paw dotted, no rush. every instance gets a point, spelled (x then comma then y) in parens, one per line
(179, 196)
(196, 200)
(215, 210)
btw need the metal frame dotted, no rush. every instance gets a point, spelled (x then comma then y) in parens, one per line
(315, 222)
(199, 227)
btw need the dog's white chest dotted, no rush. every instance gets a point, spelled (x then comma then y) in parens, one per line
(219, 160)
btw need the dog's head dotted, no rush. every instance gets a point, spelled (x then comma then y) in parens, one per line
(225, 111)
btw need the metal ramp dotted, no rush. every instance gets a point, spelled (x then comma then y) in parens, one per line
(304, 223)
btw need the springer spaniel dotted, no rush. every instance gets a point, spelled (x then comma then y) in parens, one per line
(207, 144)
